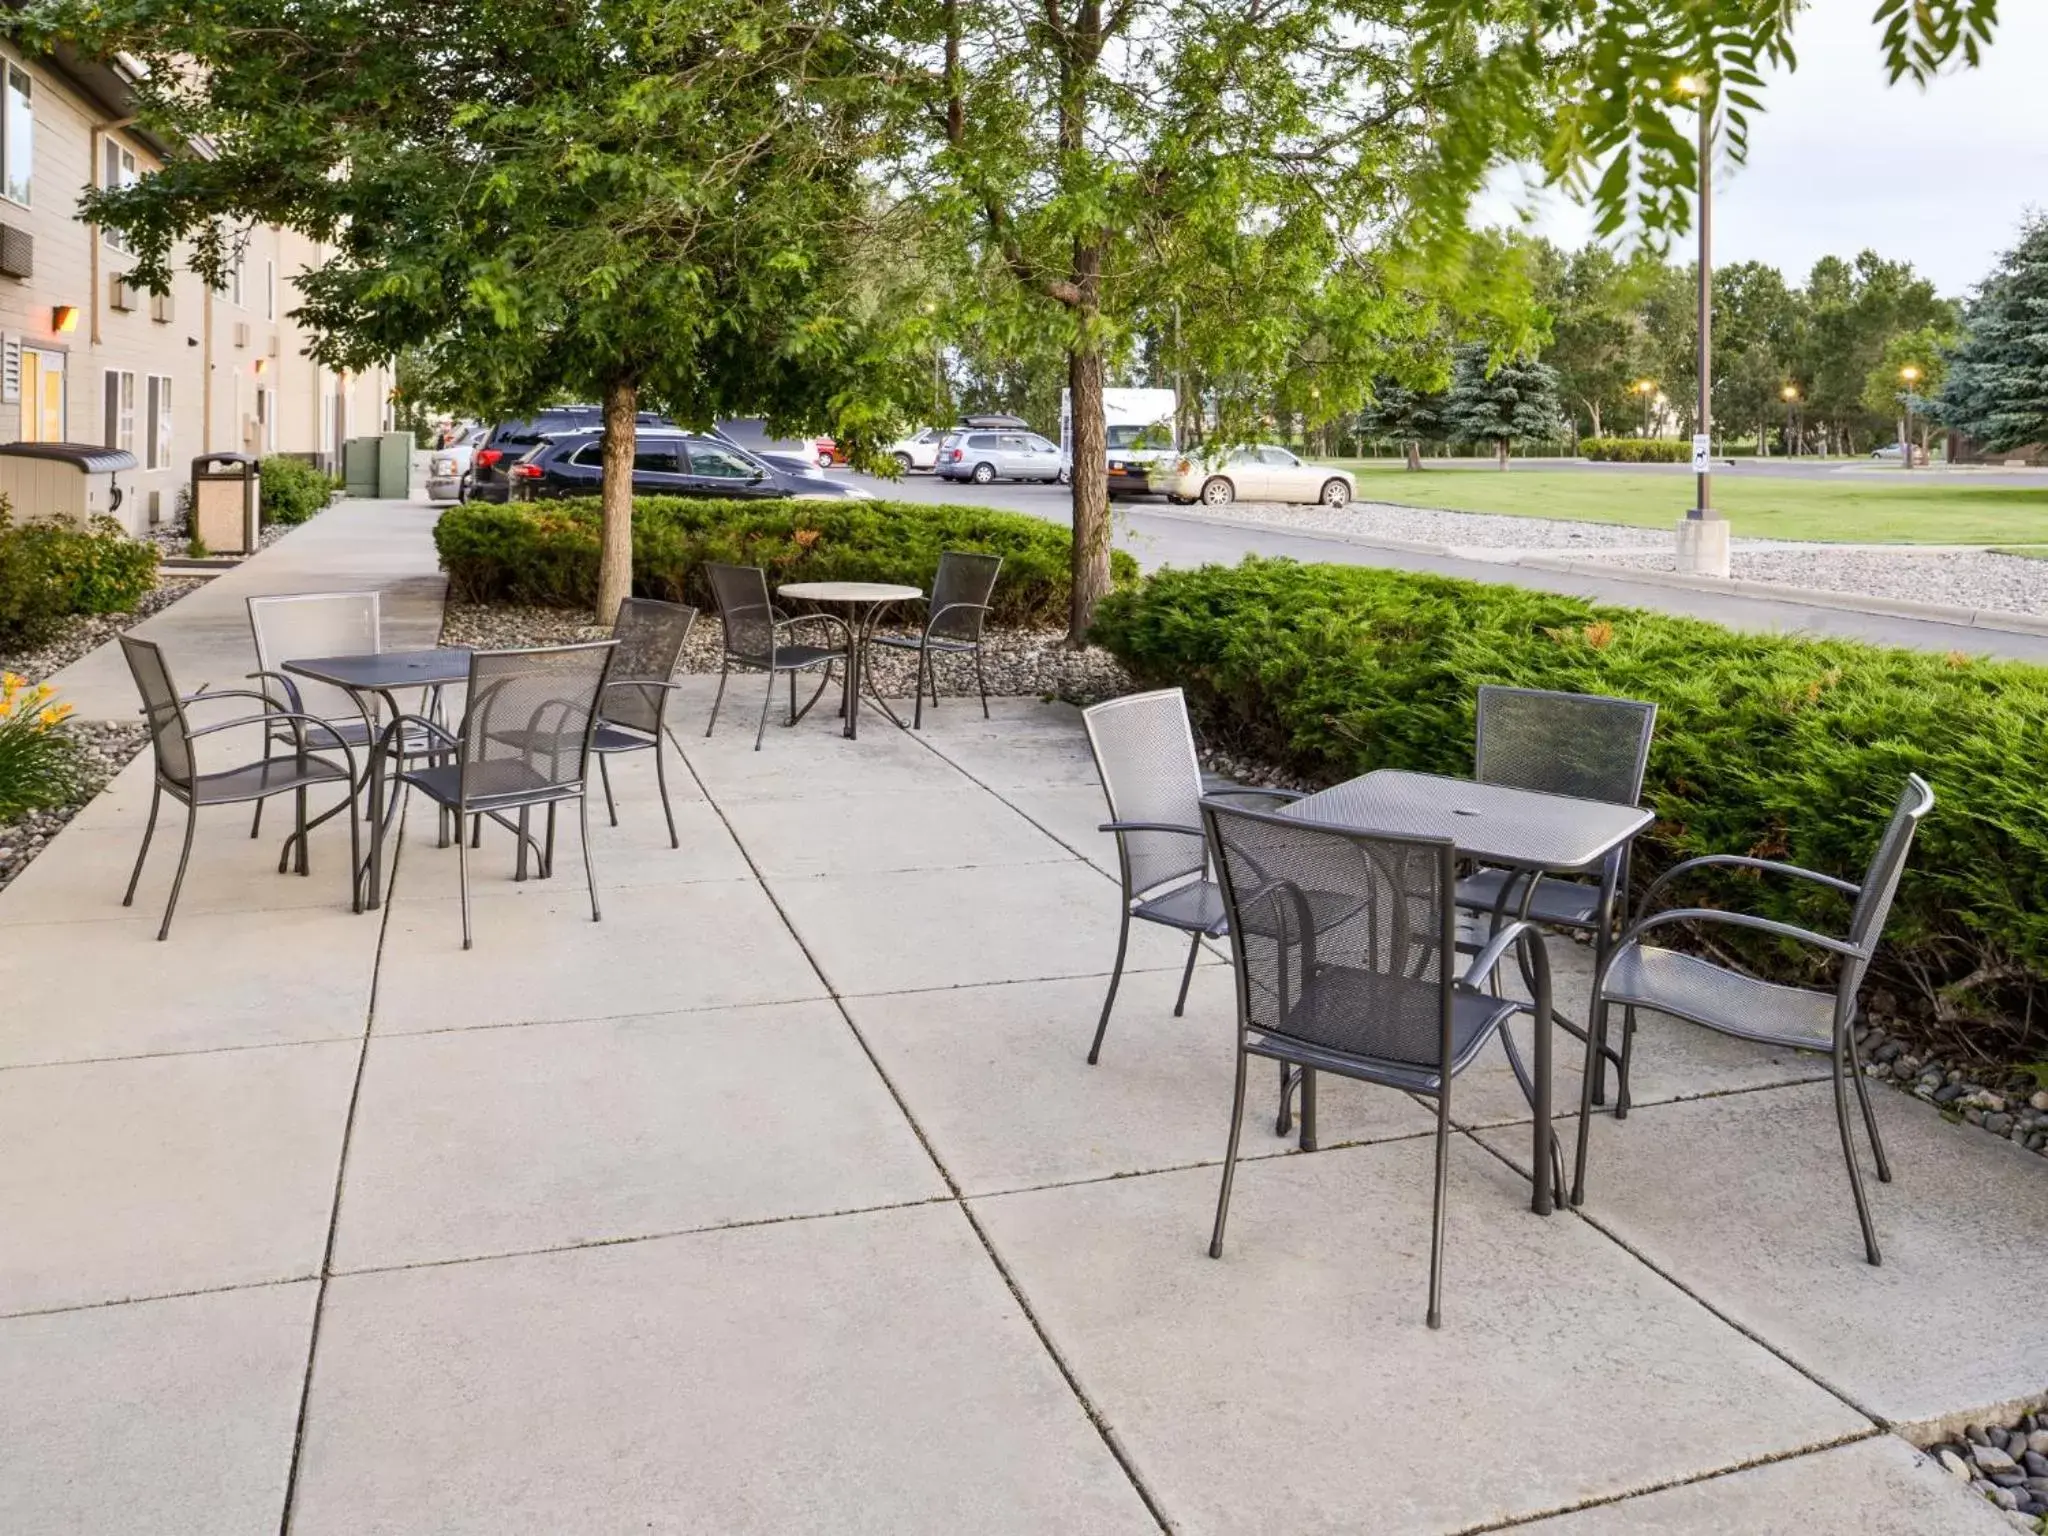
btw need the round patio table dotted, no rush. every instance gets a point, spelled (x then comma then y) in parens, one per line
(864, 601)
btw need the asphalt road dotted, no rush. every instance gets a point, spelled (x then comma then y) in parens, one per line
(1161, 535)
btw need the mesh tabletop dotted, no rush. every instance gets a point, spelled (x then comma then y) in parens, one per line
(1488, 822)
(388, 669)
(848, 591)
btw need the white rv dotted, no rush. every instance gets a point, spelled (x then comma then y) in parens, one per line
(1139, 426)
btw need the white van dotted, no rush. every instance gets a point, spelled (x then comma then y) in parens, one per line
(1139, 426)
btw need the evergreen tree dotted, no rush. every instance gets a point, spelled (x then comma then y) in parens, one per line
(1996, 389)
(1405, 414)
(1513, 402)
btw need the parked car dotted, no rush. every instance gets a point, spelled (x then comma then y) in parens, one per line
(1136, 453)
(449, 469)
(986, 456)
(668, 462)
(510, 441)
(750, 435)
(1264, 473)
(1893, 453)
(920, 451)
(828, 453)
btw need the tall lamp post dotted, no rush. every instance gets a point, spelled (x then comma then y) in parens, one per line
(1644, 389)
(1790, 395)
(1703, 534)
(1909, 376)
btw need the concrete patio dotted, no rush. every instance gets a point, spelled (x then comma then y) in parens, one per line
(783, 1199)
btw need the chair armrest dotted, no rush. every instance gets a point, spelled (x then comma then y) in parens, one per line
(1743, 861)
(937, 614)
(816, 618)
(1740, 920)
(1497, 947)
(1121, 827)
(208, 695)
(395, 731)
(642, 682)
(1226, 789)
(271, 717)
(291, 689)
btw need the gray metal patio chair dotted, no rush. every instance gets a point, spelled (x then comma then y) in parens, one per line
(316, 624)
(633, 714)
(524, 741)
(1144, 747)
(754, 629)
(1345, 946)
(1590, 747)
(171, 736)
(954, 615)
(1797, 1018)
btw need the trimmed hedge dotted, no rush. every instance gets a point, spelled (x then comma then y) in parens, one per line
(546, 552)
(1770, 745)
(293, 490)
(1636, 450)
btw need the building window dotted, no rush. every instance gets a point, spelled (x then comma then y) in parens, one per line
(235, 281)
(266, 420)
(270, 290)
(117, 172)
(118, 417)
(17, 138)
(157, 424)
(42, 396)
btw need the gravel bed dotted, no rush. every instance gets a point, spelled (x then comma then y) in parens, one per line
(88, 631)
(1963, 579)
(1471, 530)
(2007, 1465)
(2010, 1105)
(1019, 662)
(106, 747)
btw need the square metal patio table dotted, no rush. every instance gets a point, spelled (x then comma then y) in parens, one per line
(382, 675)
(1493, 824)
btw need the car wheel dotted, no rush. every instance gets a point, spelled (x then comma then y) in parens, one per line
(903, 462)
(984, 473)
(1066, 477)
(1336, 493)
(825, 459)
(1219, 492)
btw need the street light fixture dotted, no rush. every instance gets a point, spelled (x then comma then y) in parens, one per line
(1790, 395)
(1909, 376)
(1645, 388)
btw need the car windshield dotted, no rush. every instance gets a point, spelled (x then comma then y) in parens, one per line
(717, 461)
(1126, 434)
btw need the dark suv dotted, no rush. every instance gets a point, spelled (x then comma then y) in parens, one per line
(510, 441)
(667, 462)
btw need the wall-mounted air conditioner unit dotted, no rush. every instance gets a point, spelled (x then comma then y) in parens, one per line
(120, 292)
(161, 309)
(17, 251)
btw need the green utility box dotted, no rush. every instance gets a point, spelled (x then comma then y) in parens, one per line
(394, 466)
(359, 466)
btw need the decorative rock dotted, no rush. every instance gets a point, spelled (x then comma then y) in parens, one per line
(1998, 1125)
(2038, 1442)
(1954, 1465)
(2040, 1100)
(1991, 1460)
(2035, 1463)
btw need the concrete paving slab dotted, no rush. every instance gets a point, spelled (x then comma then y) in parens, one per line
(1875, 1487)
(1074, 815)
(1565, 1370)
(998, 1080)
(220, 980)
(903, 930)
(1004, 757)
(491, 1141)
(860, 1373)
(179, 1173)
(173, 1417)
(814, 758)
(538, 956)
(927, 829)
(1744, 1201)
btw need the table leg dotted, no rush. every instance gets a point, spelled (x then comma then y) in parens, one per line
(854, 652)
(1543, 1201)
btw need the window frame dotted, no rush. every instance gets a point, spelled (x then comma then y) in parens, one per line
(157, 421)
(117, 408)
(118, 169)
(12, 73)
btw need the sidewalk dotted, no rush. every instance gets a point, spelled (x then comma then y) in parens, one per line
(783, 1200)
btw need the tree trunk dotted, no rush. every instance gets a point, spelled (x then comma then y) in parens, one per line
(1090, 488)
(1414, 452)
(615, 544)
(1500, 448)
(1593, 410)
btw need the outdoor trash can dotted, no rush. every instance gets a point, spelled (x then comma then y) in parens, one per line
(227, 502)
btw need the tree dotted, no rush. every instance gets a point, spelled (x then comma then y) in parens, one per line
(1593, 299)
(1996, 388)
(1854, 309)
(1407, 415)
(659, 203)
(1501, 403)
(1204, 174)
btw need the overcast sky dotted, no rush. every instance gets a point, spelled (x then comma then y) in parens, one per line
(1839, 161)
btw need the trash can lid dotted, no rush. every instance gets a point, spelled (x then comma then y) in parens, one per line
(90, 457)
(207, 461)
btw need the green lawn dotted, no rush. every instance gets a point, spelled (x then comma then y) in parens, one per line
(1853, 509)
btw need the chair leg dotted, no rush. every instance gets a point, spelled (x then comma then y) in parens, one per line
(1308, 1109)
(1628, 1055)
(1884, 1167)
(1290, 1079)
(1596, 1032)
(589, 870)
(1230, 1151)
(547, 858)
(1180, 1003)
(717, 699)
(981, 680)
(462, 878)
(299, 800)
(767, 699)
(1870, 1250)
(661, 782)
(792, 699)
(1116, 974)
(1435, 1317)
(476, 831)
(178, 880)
(256, 821)
(156, 795)
(355, 856)
(525, 837)
(924, 657)
(604, 777)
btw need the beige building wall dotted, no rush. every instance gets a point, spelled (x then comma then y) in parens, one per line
(205, 372)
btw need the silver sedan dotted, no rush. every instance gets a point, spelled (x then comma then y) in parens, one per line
(1264, 473)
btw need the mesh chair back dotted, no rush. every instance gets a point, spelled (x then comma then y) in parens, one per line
(1145, 753)
(1343, 940)
(1881, 881)
(741, 592)
(1580, 744)
(169, 733)
(530, 718)
(311, 625)
(649, 637)
(960, 594)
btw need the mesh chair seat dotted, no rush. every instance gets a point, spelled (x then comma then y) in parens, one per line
(354, 733)
(924, 642)
(619, 738)
(790, 658)
(1691, 988)
(258, 780)
(1327, 1027)
(1196, 907)
(1558, 903)
(489, 783)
